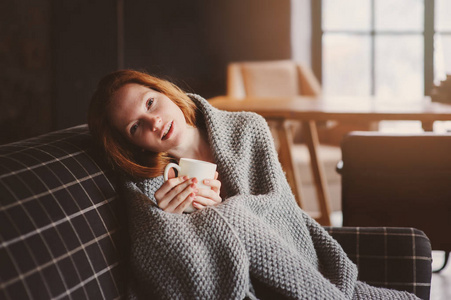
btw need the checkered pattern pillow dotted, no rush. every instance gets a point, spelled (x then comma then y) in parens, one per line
(60, 230)
(396, 258)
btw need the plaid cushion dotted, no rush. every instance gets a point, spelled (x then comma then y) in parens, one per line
(60, 232)
(396, 258)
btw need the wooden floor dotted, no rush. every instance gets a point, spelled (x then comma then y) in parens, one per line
(441, 282)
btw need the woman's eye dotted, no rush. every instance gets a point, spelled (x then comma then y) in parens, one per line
(149, 103)
(133, 129)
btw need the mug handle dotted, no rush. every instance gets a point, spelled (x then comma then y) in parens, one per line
(166, 170)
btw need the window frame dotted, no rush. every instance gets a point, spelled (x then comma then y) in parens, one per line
(428, 42)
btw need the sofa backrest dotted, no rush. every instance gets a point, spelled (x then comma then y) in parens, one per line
(61, 226)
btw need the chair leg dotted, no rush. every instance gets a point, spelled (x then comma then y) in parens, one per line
(444, 263)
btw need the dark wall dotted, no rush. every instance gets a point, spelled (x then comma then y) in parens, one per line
(191, 42)
(54, 52)
(25, 69)
(84, 49)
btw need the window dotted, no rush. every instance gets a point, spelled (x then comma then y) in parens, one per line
(381, 47)
(442, 38)
(394, 49)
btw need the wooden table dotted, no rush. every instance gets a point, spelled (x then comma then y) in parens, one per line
(308, 110)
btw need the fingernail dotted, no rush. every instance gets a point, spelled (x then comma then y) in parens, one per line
(206, 181)
(193, 185)
(195, 180)
(185, 177)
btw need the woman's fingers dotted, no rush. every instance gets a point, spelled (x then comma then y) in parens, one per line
(170, 199)
(180, 201)
(169, 185)
(207, 197)
(205, 201)
(214, 184)
(184, 204)
(197, 205)
(172, 187)
(176, 194)
(179, 188)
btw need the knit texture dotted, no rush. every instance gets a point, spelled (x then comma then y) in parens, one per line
(257, 230)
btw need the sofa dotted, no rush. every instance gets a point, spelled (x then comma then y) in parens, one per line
(63, 228)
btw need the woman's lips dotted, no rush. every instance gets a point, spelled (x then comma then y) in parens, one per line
(170, 125)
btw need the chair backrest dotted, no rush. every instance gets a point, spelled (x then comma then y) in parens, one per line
(398, 180)
(282, 78)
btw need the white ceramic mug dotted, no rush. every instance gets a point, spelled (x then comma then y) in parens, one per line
(192, 168)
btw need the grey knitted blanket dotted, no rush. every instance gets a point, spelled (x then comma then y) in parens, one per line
(258, 231)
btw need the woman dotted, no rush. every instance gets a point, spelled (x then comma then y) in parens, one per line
(150, 128)
(255, 242)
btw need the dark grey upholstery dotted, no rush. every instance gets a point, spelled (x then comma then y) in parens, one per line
(59, 224)
(398, 180)
(390, 257)
(63, 230)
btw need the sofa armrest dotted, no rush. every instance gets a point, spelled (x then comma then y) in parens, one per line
(390, 257)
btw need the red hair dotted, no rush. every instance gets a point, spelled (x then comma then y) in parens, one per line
(120, 152)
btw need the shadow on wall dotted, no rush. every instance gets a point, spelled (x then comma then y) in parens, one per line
(52, 53)
(25, 69)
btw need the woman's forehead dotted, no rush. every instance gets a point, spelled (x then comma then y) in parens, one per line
(125, 103)
(131, 91)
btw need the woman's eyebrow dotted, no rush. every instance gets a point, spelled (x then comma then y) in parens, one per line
(141, 99)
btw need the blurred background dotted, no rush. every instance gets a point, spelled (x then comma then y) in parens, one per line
(52, 53)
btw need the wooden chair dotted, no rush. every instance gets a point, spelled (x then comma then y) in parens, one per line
(271, 79)
(285, 78)
(399, 180)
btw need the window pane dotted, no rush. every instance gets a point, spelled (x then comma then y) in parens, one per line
(346, 15)
(442, 56)
(442, 14)
(399, 14)
(399, 67)
(346, 61)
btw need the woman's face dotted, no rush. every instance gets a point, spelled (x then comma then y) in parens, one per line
(147, 118)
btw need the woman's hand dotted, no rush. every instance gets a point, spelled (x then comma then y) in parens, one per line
(176, 194)
(208, 197)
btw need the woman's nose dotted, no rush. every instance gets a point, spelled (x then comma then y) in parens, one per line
(154, 122)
